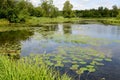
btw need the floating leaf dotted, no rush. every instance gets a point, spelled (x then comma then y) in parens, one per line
(108, 59)
(98, 59)
(83, 62)
(74, 67)
(81, 70)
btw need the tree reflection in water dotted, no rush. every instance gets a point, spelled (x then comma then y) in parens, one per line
(10, 42)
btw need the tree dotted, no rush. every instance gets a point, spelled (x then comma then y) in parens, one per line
(115, 11)
(106, 12)
(45, 6)
(49, 10)
(67, 10)
(118, 16)
(53, 11)
(38, 11)
(7, 10)
(101, 11)
(5, 5)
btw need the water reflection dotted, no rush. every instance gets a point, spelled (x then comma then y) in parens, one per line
(93, 30)
(10, 42)
(39, 40)
(67, 29)
(98, 31)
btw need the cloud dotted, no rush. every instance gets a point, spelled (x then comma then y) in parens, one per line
(83, 4)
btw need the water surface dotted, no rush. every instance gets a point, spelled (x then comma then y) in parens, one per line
(47, 39)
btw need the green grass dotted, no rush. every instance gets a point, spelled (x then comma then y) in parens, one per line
(42, 20)
(25, 69)
(4, 22)
(111, 21)
(12, 28)
(39, 21)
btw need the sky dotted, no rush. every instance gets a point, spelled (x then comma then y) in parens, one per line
(83, 4)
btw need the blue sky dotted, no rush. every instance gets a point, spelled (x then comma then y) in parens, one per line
(83, 4)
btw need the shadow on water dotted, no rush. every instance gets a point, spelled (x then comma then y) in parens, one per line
(10, 42)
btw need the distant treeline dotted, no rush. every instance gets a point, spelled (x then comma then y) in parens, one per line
(98, 13)
(20, 10)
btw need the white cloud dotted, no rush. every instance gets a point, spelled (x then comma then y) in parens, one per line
(83, 4)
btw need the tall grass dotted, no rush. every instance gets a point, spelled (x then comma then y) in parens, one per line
(12, 28)
(4, 22)
(42, 20)
(26, 69)
(38, 21)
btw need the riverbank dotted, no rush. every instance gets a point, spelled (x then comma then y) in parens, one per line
(27, 69)
(34, 21)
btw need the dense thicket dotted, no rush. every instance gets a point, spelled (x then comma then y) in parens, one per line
(20, 10)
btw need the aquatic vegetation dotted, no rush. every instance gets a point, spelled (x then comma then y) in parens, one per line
(83, 62)
(74, 67)
(81, 70)
(79, 59)
(49, 63)
(108, 59)
(96, 63)
(59, 64)
(74, 62)
(98, 59)
(79, 39)
(67, 52)
(12, 28)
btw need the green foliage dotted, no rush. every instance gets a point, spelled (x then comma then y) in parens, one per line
(19, 11)
(98, 13)
(49, 10)
(74, 67)
(38, 12)
(12, 16)
(114, 11)
(7, 10)
(25, 69)
(67, 10)
(80, 59)
(118, 16)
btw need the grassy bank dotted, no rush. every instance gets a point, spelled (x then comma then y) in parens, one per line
(111, 21)
(12, 28)
(4, 22)
(43, 20)
(35, 21)
(24, 69)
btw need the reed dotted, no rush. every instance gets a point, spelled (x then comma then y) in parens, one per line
(25, 69)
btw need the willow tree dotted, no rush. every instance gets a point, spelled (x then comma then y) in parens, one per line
(67, 10)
